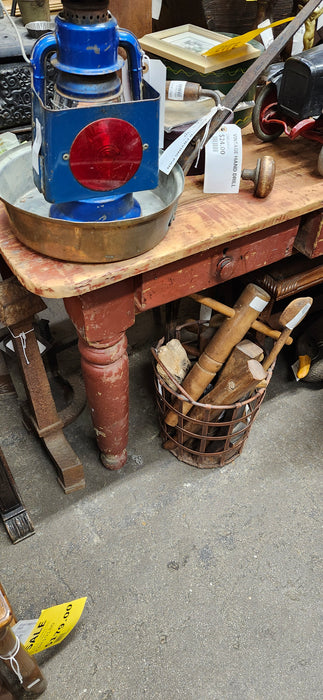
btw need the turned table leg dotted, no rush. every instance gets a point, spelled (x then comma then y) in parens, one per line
(106, 378)
(101, 318)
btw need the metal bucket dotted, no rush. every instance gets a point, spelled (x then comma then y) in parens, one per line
(85, 242)
(34, 10)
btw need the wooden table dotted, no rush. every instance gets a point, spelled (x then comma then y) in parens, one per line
(214, 238)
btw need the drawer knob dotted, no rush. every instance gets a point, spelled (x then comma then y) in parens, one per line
(225, 267)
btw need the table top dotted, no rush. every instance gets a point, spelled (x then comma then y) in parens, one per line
(202, 221)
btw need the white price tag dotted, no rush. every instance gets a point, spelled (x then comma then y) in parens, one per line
(23, 629)
(297, 319)
(156, 77)
(223, 158)
(156, 8)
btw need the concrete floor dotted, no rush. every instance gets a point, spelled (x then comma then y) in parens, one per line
(200, 584)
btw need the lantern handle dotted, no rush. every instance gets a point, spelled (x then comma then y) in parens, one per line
(41, 49)
(131, 45)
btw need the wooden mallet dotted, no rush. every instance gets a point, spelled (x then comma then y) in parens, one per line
(292, 315)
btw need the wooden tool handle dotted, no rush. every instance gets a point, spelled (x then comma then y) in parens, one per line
(228, 311)
(250, 303)
(231, 392)
(238, 378)
(276, 349)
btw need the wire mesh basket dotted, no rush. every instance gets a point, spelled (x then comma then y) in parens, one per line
(218, 438)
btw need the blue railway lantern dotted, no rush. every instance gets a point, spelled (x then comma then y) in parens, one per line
(92, 149)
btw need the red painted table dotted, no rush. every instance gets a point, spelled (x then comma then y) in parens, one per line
(213, 238)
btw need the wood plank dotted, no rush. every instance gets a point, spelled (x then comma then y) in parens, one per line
(202, 222)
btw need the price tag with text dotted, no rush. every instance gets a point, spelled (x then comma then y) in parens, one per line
(223, 159)
(53, 625)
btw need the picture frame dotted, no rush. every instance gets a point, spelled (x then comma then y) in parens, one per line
(185, 45)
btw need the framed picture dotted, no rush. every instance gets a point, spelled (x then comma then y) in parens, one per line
(186, 44)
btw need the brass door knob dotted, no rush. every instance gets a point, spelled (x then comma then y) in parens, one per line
(263, 176)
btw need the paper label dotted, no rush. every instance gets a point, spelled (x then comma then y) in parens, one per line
(242, 39)
(36, 147)
(176, 89)
(53, 625)
(156, 77)
(125, 77)
(223, 158)
(258, 304)
(319, 21)
(156, 8)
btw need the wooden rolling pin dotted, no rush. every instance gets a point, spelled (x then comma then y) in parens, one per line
(249, 305)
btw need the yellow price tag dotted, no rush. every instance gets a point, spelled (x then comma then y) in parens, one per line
(54, 624)
(242, 39)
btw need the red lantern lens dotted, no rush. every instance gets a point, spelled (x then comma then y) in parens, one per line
(106, 154)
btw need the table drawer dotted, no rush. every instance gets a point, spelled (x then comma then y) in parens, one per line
(211, 267)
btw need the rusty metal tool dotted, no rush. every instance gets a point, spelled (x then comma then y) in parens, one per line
(12, 510)
(251, 302)
(237, 92)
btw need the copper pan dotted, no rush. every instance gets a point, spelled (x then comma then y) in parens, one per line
(85, 242)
